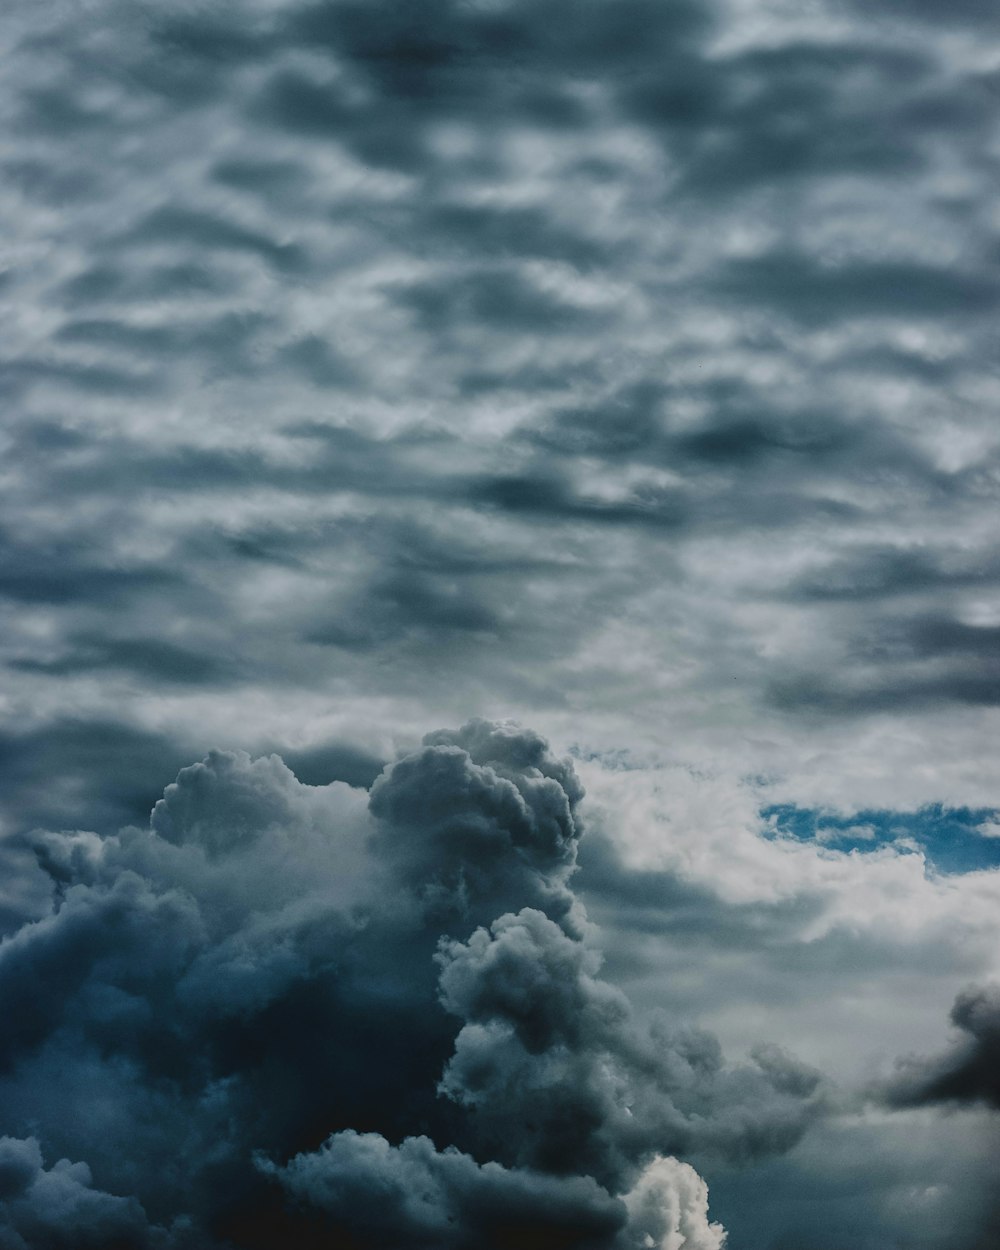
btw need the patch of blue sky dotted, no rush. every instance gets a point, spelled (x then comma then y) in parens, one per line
(953, 839)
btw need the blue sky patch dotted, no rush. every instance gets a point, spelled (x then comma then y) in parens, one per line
(950, 837)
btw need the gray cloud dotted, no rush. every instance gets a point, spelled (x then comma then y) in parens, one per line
(551, 1049)
(424, 1197)
(970, 1071)
(239, 945)
(58, 1208)
(800, 288)
(480, 819)
(112, 769)
(471, 256)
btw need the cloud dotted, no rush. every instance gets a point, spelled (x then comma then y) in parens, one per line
(572, 318)
(58, 1208)
(559, 1073)
(625, 367)
(479, 818)
(970, 1071)
(108, 768)
(915, 1178)
(414, 1195)
(227, 983)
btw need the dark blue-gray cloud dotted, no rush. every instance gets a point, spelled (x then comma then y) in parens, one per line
(230, 982)
(58, 1207)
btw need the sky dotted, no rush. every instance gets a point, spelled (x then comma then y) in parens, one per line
(500, 625)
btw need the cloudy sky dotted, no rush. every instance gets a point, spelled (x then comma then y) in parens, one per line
(501, 624)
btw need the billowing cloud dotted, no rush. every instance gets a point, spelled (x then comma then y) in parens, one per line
(58, 1207)
(559, 1074)
(480, 820)
(415, 1195)
(227, 984)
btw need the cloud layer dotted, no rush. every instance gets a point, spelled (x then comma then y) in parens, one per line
(624, 366)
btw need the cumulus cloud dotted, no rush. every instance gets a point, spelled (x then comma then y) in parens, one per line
(227, 983)
(480, 819)
(560, 1074)
(59, 1209)
(415, 1195)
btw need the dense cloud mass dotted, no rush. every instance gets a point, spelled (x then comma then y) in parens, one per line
(225, 988)
(970, 1071)
(624, 368)
(479, 821)
(414, 1195)
(559, 1074)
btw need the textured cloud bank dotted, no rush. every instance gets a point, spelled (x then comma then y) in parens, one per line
(268, 963)
(623, 365)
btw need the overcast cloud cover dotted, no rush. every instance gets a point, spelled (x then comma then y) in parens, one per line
(614, 382)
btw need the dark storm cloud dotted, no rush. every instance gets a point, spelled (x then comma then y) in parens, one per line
(458, 59)
(490, 821)
(558, 1074)
(811, 695)
(201, 230)
(64, 571)
(970, 1071)
(434, 594)
(231, 982)
(414, 1195)
(86, 379)
(135, 283)
(785, 113)
(842, 1188)
(405, 607)
(934, 635)
(228, 339)
(42, 184)
(407, 56)
(248, 276)
(344, 460)
(743, 431)
(500, 300)
(551, 496)
(334, 761)
(972, 11)
(511, 233)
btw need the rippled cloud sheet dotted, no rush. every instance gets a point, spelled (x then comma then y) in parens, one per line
(614, 382)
